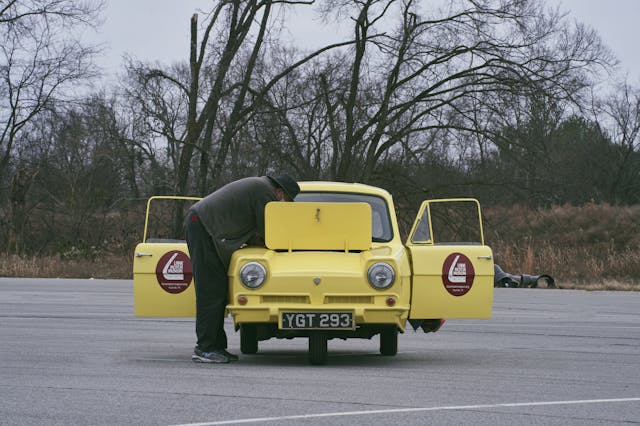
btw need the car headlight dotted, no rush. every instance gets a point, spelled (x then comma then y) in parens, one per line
(381, 275)
(252, 275)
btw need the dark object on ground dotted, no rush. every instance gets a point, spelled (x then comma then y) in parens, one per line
(504, 279)
(427, 325)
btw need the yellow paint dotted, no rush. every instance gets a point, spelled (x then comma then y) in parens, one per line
(430, 298)
(341, 285)
(150, 299)
(318, 226)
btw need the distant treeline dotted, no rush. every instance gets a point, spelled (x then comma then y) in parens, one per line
(86, 194)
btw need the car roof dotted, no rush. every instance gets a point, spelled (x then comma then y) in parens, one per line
(358, 188)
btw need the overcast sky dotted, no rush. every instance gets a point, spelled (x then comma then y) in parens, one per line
(158, 30)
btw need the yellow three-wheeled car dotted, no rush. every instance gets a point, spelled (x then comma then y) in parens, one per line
(334, 266)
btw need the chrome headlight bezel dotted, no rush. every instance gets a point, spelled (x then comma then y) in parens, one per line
(252, 275)
(381, 275)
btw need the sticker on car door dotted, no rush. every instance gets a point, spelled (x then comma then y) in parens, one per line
(457, 274)
(174, 272)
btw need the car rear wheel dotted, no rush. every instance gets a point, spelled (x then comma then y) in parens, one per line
(389, 341)
(248, 339)
(318, 348)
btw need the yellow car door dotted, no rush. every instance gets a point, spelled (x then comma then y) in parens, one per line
(452, 268)
(162, 272)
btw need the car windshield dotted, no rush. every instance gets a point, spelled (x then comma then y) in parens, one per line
(381, 224)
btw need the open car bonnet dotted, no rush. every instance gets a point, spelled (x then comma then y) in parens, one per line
(318, 226)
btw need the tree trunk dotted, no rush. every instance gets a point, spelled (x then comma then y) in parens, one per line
(191, 138)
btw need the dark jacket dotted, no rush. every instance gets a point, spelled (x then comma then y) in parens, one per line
(234, 214)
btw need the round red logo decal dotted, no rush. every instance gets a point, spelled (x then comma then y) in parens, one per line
(457, 274)
(174, 272)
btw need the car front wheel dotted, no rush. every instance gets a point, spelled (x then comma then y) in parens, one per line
(248, 339)
(318, 348)
(389, 341)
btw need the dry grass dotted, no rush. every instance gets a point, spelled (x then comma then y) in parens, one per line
(595, 247)
(109, 266)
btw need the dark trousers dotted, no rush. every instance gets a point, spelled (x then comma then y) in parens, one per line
(211, 283)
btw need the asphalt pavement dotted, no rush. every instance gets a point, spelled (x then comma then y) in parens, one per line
(73, 353)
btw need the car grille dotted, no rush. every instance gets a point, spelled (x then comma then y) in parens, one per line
(285, 299)
(349, 299)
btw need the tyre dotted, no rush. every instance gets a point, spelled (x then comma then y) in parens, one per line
(318, 348)
(248, 339)
(389, 341)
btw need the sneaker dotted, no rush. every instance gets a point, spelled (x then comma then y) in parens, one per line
(232, 357)
(217, 356)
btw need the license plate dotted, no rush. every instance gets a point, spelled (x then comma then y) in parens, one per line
(317, 320)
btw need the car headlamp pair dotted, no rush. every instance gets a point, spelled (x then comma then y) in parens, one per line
(380, 275)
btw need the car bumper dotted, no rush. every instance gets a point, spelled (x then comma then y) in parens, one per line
(396, 315)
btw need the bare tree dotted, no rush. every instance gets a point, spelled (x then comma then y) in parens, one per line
(39, 63)
(38, 60)
(622, 111)
(424, 73)
(227, 30)
(161, 105)
(221, 92)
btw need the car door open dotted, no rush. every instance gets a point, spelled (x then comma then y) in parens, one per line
(452, 268)
(162, 273)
